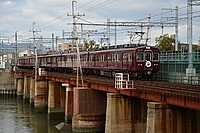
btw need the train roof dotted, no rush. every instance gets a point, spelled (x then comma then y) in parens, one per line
(124, 49)
(99, 51)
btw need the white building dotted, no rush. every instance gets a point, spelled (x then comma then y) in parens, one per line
(26, 53)
(2, 63)
(6, 61)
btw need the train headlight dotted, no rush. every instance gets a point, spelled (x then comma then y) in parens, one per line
(148, 64)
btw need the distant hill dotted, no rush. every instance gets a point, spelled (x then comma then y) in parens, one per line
(10, 48)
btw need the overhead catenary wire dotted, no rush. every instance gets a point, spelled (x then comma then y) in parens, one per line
(61, 19)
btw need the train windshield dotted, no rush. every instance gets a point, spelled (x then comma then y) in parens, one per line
(140, 57)
(148, 56)
(155, 56)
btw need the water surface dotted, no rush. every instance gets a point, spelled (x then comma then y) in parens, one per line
(19, 117)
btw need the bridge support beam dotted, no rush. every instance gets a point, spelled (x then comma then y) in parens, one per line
(69, 107)
(118, 114)
(164, 119)
(32, 90)
(138, 115)
(20, 85)
(159, 118)
(186, 120)
(41, 95)
(89, 110)
(56, 100)
(26, 95)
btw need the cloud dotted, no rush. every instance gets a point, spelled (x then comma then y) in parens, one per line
(50, 16)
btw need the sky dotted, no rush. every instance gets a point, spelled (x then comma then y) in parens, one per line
(53, 16)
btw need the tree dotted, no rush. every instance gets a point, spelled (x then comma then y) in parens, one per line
(91, 45)
(165, 42)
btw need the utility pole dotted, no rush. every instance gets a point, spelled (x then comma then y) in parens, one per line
(16, 48)
(176, 29)
(35, 49)
(191, 70)
(108, 31)
(15, 51)
(52, 43)
(115, 34)
(2, 53)
(75, 37)
(175, 24)
(57, 43)
(2, 38)
(148, 28)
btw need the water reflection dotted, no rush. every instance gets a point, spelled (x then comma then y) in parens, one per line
(19, 117)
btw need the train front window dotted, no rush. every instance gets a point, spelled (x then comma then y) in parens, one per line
(140, 57)
(148, 56)
(155, 56)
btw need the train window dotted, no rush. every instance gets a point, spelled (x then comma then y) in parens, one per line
(140, 57)
(63, 58)
(103, 57)
(96, 58)
(124, 57)
(69, 59)
(130, 57)
(74, 58)
(118, 57)
(155, 56)
(99, 58)
(49, 59)
(113, 57)
(86, 58)
(91, 58)
(54, 59)
(109, 58)
(57, 59)
(147, 56)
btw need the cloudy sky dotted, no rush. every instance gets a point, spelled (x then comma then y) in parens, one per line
(51, 17)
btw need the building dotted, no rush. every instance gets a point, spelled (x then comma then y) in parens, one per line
(64, 47)
(6, 61)
(26, 53)
(67, 47)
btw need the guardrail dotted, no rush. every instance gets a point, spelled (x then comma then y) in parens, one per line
(122, 81)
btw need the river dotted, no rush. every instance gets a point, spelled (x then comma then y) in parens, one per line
(19, 117)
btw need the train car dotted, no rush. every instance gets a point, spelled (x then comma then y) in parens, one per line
(139, 62)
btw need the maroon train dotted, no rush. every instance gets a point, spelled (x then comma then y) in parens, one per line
(139, 62)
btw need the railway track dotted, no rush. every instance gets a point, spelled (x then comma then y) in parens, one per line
(156, 87)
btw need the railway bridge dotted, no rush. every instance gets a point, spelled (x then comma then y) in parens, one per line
(113, 105)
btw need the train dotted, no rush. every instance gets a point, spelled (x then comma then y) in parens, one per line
(138, 62)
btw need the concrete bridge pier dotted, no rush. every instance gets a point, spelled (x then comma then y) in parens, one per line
(32, 90)
(56, 101)
(185, 120)
(163, 118)
(26, 95)
(138, 115)
(118, 114)
(20, 85)
(89, 110)
(41, 95)
(159, 118)
(69, 104)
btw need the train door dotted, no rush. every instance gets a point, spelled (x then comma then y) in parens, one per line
(148, 60)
